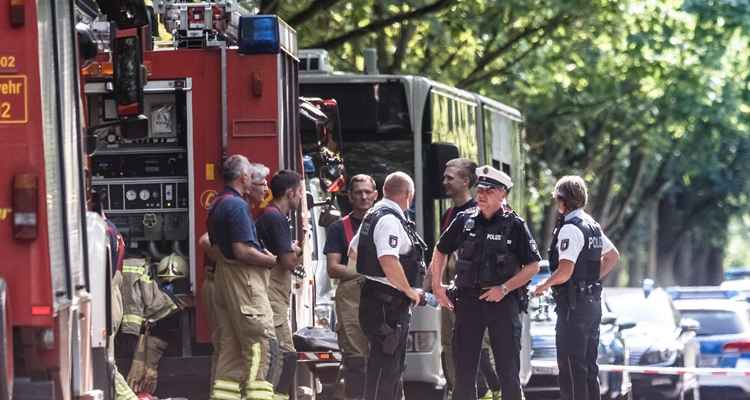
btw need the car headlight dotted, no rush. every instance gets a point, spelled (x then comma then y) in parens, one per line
(421, 341)
(659, 356)
(323, 316)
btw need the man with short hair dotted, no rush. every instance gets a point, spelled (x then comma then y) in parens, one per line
(352, 341)
(496, 256)
(458, 180)
(390, 256)
(247, 343)
(275, 232)
(580, 255)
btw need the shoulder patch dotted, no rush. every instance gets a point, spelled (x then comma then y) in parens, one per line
(393, 241)
(564, 244)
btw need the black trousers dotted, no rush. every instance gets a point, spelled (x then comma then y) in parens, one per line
(578, 347)
(384, 315)
(473, 317)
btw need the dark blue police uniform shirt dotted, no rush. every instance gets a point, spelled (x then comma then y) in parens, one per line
(274, 231)
(522, 244)
(230, 221)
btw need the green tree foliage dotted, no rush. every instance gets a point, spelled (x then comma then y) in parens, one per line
(647, 99)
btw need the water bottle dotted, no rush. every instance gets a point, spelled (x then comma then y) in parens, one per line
(428, 299)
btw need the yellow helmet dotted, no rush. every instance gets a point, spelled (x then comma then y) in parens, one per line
(172, 267)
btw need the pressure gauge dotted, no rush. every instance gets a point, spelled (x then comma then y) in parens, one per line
(144, 194)
(131, 195)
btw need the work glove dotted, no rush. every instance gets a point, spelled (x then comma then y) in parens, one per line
(138, 366)
(155, 348)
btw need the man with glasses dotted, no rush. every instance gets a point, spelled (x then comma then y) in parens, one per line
(580, 255)
(496, 256)
(247, 343)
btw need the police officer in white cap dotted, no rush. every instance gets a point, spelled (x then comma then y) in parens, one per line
(497, 256)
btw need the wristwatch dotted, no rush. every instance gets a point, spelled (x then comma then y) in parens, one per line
(505, 289)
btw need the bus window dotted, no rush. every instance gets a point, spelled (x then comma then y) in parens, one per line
(375, 126)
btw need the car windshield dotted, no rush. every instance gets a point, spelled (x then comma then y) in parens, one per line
(655, 310)
(715, 322)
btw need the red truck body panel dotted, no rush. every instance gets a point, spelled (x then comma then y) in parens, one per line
(252, 124)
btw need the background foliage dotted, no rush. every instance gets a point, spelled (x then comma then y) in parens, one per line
(648, 100)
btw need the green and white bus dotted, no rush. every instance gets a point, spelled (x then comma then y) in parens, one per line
(414, 124)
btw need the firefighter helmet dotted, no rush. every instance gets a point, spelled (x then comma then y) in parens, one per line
(172, 267)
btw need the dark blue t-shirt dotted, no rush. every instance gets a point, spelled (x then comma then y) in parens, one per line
(274, 231)
(230, 221)
(336, 238)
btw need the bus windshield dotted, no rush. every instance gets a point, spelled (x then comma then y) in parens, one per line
(375, 126)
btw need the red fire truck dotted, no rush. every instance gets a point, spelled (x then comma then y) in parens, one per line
(150, 147)
(53, 272)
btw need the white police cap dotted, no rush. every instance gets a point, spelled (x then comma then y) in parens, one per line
(489, 177)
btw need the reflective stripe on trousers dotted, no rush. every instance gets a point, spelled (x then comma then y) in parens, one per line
(225, 390)
(256, 389)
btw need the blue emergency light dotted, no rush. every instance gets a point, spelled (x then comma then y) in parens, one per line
(259, 34)
(701, 292)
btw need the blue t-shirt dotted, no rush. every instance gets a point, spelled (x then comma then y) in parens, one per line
(230, 221)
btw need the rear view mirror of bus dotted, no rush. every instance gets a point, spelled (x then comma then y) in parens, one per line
(439, 154)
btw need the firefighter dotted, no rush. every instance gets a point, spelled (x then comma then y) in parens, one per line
(496, 256)
(122, 389)
(155, 304)
(390, 256)
(207, 295)
(117, 253)
(353, 343)
(580, 256)
(276, 235)
(458, 180)
(247, 345)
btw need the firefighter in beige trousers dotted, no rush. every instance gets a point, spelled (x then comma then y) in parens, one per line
(352, 341)
(275, 232)
(246, 343)
(211, 254)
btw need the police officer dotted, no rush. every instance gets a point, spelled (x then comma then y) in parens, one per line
(247, 343)
(390, 256)
(496, 256)
(458, 180)
(275, 232)
(580, 256)
(352, 341)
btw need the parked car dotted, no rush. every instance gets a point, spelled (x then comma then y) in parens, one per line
(724, 337)
(740, 286)
(661, 338)
(737, 273)
(612, 348)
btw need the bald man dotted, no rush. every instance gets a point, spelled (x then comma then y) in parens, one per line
(390, 256)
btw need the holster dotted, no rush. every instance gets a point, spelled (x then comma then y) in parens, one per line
(452, 293)
(391, 340)
(570, 291)
(394, 303)
(523, 297)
